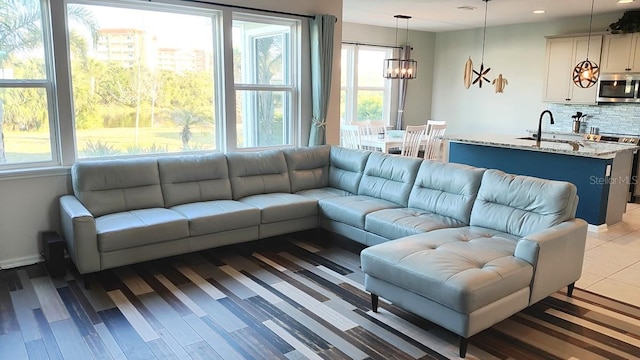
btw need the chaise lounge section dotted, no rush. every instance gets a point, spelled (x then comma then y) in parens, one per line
(522, 244)
(461, 246)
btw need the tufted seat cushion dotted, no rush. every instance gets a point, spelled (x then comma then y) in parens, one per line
(463, 269)
(130, 229)
(401, 222)
(351, 210)
(282, 207)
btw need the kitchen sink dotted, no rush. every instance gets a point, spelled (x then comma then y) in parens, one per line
(574, 144)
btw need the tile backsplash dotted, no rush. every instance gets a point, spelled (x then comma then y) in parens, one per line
(610, 118)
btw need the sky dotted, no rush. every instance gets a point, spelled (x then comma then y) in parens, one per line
(168, 27)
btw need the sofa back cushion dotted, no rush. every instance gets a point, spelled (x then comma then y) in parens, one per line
(520, 205)
(258, 173)
(389, 177)
(446, 189)
(308, 167)
(194, 178)
(346, 167)
(110, 186)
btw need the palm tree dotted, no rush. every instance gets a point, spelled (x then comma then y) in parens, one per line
(186, 119)
(21, 30)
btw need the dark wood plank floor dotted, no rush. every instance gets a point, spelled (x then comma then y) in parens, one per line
(295, 297)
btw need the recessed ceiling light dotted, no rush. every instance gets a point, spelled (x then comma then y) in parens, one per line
(466, 7)
(624, 1)
(539, 11)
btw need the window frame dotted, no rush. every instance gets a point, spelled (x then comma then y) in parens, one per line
(292, 89)
(217, 71)
(48, 83)
(58, 85)
(351, 87)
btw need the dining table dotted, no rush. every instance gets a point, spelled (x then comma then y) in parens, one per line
(387, 142)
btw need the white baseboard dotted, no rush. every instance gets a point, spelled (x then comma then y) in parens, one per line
(597, 228)
(23, 261)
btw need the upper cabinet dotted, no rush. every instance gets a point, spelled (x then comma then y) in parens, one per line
(563, 54)
(621, 53)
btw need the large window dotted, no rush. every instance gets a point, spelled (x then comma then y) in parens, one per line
(265, 77)
(27, 112)
(365, 94)
(133, 78)
(143, 79)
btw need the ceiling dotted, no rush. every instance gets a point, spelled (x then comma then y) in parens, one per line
(444, 15)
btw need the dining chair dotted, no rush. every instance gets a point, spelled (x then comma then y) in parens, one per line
(433, 146)
(374, 127)
(412, 138)
(350, 136)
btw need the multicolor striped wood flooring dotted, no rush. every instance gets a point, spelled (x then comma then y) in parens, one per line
(285, 298)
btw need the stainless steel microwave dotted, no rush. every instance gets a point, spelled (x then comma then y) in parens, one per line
(619, 88)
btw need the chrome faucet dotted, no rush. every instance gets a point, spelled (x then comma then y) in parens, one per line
(539, 137)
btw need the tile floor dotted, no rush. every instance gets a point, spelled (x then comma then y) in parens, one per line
(612, 260)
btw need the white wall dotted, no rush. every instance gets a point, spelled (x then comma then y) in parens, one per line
(418, 102)
(518, 52)
(28, 205)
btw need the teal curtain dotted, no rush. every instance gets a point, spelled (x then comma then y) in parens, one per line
(321, 30)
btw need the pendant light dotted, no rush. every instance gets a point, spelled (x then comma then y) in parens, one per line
(401, 67)
(482, 72)
(586, 72)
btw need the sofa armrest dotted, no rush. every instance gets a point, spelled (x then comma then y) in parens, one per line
(556, 254)
(79, 232)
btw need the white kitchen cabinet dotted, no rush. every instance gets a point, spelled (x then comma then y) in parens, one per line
(563, 54)
(621, 53)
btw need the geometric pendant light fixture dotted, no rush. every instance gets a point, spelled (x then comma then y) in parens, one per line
(400, 67)
(586, 72)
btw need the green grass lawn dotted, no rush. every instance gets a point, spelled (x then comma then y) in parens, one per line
(30, 146)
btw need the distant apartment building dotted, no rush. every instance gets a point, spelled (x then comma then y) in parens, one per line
(127, 46)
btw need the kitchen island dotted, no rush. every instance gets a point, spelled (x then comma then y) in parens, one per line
(601, 171)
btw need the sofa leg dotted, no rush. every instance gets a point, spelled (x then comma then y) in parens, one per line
(463, 346)
(374, 302)
(86, 278)
(570, 289)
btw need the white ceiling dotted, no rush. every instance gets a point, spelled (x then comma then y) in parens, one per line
(444, 15)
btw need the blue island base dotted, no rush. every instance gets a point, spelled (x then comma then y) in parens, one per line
(592, 176)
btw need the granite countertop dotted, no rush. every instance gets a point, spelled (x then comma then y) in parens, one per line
(556, 132)
(585, 148)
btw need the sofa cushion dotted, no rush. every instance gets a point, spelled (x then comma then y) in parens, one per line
(194, 178)
(446, 189)
(521, 205)
(210, 217)
(352, 210)
(389, 177)
(258, 173)
(136, 228)
(308, 167)
(323, 193)
(401, 222)
(463, 269)
(113, 186)
(281, 207)
(346, 167)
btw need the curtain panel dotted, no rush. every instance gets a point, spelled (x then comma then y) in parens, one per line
(321, 30)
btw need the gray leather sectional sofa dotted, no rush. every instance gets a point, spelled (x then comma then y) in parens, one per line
(470, 246)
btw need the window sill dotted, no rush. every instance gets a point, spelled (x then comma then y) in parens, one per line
(16, 174)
